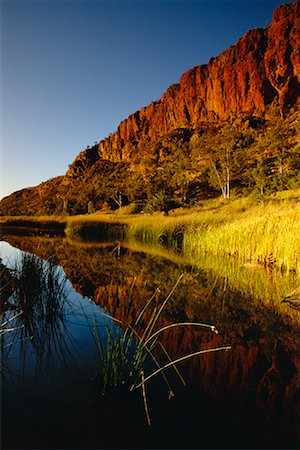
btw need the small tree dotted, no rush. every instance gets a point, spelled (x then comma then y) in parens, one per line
(260, 177)
(118, 198)
(218, 149)
(65, 205)
(278, 142)
(226, 156)
(160, 200)
(91, 208)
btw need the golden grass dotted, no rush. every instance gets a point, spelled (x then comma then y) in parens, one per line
(267, 234)
(38, 219)
(253, 281)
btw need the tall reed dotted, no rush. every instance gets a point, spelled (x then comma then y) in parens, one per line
(37, 305)
(268, 233)
(133, 356)
(270, 237)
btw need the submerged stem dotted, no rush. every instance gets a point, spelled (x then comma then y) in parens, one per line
(211, 327)
(190, 355)
(145, 398)
(163, 305)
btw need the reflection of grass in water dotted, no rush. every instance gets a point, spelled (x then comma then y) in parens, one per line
(265, 286)
(268, 233)
(36, 309)
(134, 356)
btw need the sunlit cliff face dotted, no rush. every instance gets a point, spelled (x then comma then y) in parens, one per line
(252, 78)
(261, 68)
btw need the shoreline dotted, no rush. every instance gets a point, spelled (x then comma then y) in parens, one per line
(267, 234)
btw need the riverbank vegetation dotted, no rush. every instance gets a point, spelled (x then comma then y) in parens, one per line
(136, 354)
(265, 233)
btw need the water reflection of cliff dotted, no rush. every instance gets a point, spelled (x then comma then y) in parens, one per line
(260, 376)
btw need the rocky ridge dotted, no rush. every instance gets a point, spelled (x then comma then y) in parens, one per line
(260, 72)
(261, 69)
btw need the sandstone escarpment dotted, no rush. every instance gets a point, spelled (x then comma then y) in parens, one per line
(261, 69)
(257, 75)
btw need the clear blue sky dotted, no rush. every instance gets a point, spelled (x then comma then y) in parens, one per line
(72, 70)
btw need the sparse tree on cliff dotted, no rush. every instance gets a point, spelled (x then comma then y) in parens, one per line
(277, 153)
(222, 153)
(278, 142)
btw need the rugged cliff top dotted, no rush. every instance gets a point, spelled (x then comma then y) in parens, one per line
(261, 69)
(260, 72)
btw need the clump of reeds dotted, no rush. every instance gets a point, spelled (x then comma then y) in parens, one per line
(269, 236)
(133, 357)
(6, 325)
(268, 233)
(37, 305)
(39, 285)
(6, 288)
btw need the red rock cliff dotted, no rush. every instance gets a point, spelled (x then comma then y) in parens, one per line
(261, 69)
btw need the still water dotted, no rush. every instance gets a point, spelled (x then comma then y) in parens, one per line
(68, 362)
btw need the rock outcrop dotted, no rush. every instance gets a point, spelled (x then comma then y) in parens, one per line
(261, 69)
(257, 75)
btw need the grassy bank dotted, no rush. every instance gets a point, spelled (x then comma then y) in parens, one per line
(23, 225)
(265, 234)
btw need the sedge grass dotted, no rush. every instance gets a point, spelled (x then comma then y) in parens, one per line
(266, 233)
(39, 296)
(268, 236)
(7, 323)
(131, 357)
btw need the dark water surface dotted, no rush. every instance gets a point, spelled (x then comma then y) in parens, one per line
(52, 377)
